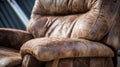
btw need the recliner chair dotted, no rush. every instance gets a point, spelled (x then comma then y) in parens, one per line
(73, 33)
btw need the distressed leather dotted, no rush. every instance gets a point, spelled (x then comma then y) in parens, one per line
(93, 23)
(13, 38)
(9, 57)
(10, 42)
(48, 49)
(61, 7)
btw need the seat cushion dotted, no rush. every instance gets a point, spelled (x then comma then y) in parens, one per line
(9, 57)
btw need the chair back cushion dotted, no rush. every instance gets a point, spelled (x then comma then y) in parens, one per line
(81, 19)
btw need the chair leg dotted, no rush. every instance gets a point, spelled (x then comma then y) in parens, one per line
(29, 61)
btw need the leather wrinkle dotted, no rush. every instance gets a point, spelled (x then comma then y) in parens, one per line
(97, 16)
(47, 31)
(48, 24)
(71, 28)
(53, 28)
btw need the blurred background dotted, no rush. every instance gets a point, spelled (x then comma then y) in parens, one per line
(15, 13)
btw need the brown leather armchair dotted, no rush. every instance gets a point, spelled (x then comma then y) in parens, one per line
(73, 33)
(10, 42)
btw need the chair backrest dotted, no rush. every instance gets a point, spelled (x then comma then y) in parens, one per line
(87, 19)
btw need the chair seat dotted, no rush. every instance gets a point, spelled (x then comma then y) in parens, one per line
(9, 57)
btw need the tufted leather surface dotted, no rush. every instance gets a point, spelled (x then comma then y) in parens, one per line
(47, 49)
(9, 57)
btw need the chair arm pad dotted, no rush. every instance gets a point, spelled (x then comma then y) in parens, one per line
(47, 49)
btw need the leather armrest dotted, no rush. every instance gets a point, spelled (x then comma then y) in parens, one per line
(13, 38)
(47, 49)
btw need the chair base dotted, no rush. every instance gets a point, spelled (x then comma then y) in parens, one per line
(30, 61)
(83, 62)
